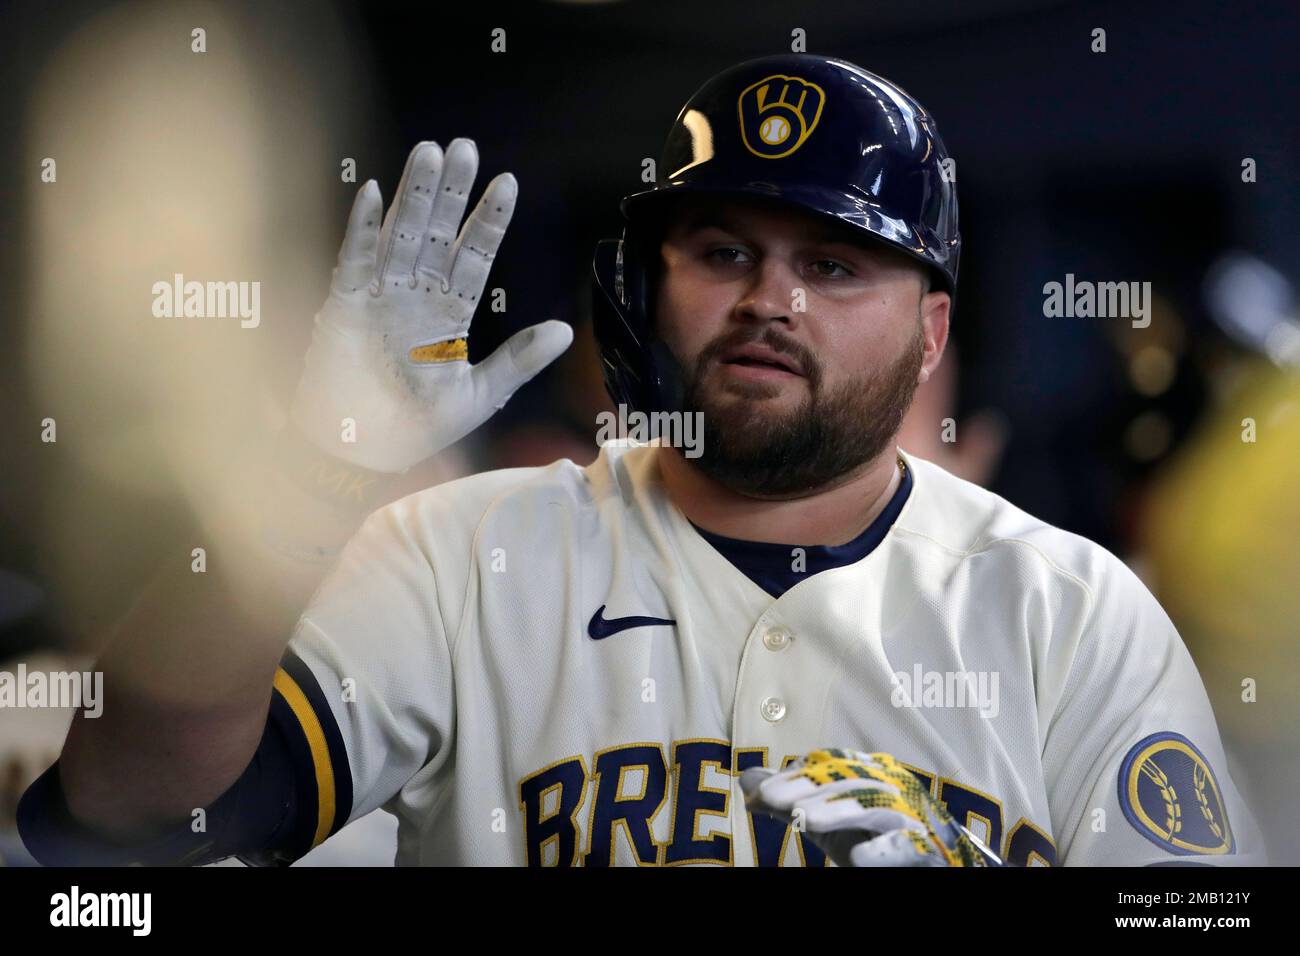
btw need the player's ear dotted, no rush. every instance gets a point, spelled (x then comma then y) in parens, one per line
(934, 311)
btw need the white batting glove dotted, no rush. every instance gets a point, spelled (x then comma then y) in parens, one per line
(863, 810)
(390, 345)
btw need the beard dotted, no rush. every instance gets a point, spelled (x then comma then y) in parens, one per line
(756, 451)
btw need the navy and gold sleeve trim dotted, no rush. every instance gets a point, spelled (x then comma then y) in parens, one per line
(313, 748)
(295, 792)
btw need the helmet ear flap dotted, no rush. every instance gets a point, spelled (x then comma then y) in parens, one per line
(607, 271)
(623, 322)
(667, 373)
(625, 276)
(613, 322)
(640, 371)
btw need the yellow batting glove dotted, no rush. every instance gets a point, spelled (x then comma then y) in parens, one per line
(864, 810)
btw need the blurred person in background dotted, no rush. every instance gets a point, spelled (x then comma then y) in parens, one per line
(162, 155)
(1220, 534)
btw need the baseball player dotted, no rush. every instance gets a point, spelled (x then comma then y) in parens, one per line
(789, 643)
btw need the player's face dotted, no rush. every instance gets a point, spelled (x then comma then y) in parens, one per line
(801, 344)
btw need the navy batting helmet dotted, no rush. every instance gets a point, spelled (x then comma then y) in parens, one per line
(818, 133)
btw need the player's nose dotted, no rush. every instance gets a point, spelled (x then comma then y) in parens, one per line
(771, 293)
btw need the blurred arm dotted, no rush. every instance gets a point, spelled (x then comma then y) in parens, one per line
(188, 672)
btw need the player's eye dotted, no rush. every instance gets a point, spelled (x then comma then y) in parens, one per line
(845, 271)
(729, 255)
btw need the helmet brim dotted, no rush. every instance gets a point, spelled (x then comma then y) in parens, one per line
(863, 216)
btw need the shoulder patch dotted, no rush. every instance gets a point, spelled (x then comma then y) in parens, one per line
(1170, 795)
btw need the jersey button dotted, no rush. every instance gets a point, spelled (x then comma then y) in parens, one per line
(776, 639)
(772, 709)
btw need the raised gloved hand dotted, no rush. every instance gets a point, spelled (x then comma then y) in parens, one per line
(863, 810)
(390, 347)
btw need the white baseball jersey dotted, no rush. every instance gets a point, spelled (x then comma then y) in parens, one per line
(553, 666)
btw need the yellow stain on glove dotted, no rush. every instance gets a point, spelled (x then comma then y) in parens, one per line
(453, 350)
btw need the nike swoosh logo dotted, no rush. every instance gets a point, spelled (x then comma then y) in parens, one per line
(601, 627)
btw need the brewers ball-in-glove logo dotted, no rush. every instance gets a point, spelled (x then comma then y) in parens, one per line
(778, 113)
(1169, 794)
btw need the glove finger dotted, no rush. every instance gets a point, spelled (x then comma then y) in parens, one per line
(481, 237)
(751, 780)
(450, 199)
(516, 361)
(818, 817)
(404, 228)
(356, 265)
(896, 848)
(790, 787)
(838, 846)
(828, 766)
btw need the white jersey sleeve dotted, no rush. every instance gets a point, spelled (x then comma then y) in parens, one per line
(368, 671)
(1136, 773)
